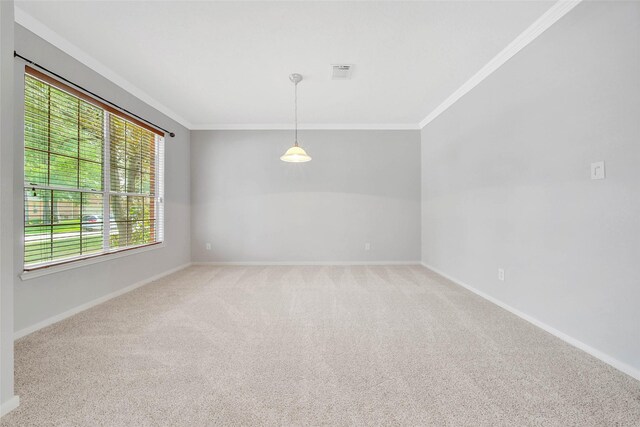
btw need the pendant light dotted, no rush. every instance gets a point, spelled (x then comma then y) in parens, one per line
(295, 154)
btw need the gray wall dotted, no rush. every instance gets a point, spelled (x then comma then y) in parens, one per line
(361, 186)
(505, 181)
(6, 191)
(44, 297)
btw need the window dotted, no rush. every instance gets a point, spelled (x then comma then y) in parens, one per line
(93, 176)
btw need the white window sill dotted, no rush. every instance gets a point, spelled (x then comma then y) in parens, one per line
(27, 275)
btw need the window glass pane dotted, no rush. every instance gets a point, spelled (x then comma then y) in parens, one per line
(59, 128)
(36, 167)
(92, 206)
(148, 154)
(63, 171)
(37, 245)
(119, 217)
(37, 207)
(150, 231)
(92, 223)
(132, 154)
(66, 210)
(76, 229)
(117, 147)
(118, 180)
(134, 178)
(136, 236)
(130, 228)
(118, 206)
(118, 235)
(36, 113)
(66, 241)
(146, 184)
(148, 207)
(90, 175)
(91, 132)
(132, 172)
(135, 208)
(92, 241)
(64, 123)
(134, 136)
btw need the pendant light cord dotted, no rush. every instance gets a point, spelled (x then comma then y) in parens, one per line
(295, 103)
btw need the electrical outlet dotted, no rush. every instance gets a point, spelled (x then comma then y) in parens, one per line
(207, 246)
(597, 170)
(501, 274)
(367, 246)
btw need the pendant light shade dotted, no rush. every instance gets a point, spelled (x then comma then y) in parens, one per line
(295, 154)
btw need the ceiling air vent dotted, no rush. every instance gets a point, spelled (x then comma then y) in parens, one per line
(341, 71)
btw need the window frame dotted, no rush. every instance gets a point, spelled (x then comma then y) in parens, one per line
(39, 269)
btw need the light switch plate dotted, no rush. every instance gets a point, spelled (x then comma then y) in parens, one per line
(597, 170)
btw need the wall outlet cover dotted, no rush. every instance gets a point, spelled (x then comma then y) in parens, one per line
(597, 170)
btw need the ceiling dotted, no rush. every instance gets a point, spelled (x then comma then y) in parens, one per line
(226, 64)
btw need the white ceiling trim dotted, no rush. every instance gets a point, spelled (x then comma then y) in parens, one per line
(302, 126)
(41, 30)
(557, 11)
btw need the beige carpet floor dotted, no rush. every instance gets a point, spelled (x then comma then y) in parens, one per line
(317, 345)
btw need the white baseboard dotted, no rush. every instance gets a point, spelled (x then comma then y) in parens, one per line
(609, 360)
(9, 405)
(301, 263)
(58, 317)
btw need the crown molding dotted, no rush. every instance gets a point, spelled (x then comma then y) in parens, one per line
(551, 16)
(40, 29)
(555, 12)
(309, 126)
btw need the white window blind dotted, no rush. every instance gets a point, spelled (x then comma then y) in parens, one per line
(93, 177)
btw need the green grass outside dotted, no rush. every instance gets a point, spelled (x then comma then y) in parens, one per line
(66, 226)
